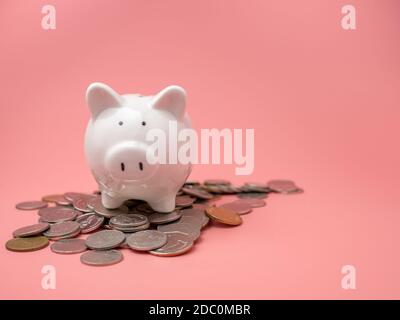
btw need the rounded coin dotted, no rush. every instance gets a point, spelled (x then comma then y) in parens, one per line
(31, 205)
(282, 186)
(71, 196)
(252, 195)
(196, 212)
(216, 182)
(223, 215)
(108, 213)
(160, 218)
(90, 222)
(130, 229)
(80, 204)
(239, 206)
(31, 230)
(69, 246)
(187, 229)
(105, 239)
(57, 214)
(198, 193)
(193, 220)
(128, 220)
(177, 244)
(101, 258)
(254, 202)
(27, 244)
(146, 240)
(63, 229)
(56, 198)
(184, 201)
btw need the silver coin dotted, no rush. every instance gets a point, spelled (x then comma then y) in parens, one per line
(131, 229)
(160, 218)
(177, 244)
(184, 201)
(90, 222)
(187, 229)
(105, 239)
(196, 221)
(197, 192)
(101, 258)
(71, 196)
(252, 195)
(238, 206)
(128, 220)
(282, 186)
(108, 213)
(197, 212)
(216, 182)
(191, 183)
(66, 229)
(254, 202)
(147, 240)
(69, 246)
(57, 214)
(31, 205)
(80, 204)
(31, 230)
(91, 202)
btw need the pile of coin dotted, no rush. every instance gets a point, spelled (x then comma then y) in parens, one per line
(135, 225)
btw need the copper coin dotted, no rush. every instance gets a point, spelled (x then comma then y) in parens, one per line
(197, 192)
(223, 215)
(282, 186)
(101, 258)
(63, 229)
(160, 218)
(69, 246)
(105, 239)
(238, 206)
(177, 244)
(57, 214)
(147, 240)
(90, 222)
(184, 201)
(27, 244)
(254, 202)
(56, 198)
(31, 205)
(31, 230)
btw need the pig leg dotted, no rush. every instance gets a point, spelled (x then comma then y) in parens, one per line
(111, 202)
(165, 204)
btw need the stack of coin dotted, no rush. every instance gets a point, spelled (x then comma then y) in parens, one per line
(135, 225)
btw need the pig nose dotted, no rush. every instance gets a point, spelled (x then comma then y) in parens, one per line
(128, 161)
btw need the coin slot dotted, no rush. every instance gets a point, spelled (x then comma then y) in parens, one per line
(141, 166)
(122, 166)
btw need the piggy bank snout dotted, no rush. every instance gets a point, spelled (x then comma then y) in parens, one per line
(128, 161)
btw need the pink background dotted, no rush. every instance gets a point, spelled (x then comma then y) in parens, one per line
(324, 103)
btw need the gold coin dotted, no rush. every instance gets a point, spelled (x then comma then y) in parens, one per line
(224, 215)
(27, 244)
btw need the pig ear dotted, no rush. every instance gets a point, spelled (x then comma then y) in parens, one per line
(171, 99)
(99, 96)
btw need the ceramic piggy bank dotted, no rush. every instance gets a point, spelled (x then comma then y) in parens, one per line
(116, 145)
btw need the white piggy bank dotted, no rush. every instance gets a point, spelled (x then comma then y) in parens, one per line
(116, 145)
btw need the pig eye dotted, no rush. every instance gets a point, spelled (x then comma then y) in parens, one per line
(143, 123)
(120, 123)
